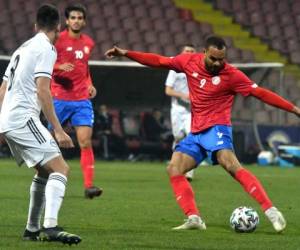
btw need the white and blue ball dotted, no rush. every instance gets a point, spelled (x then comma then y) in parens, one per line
(244, 219)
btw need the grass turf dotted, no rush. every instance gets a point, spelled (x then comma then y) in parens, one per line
(137, 209)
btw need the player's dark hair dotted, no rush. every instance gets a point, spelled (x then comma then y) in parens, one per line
(47, 17)
(215, 41)
(75, 7)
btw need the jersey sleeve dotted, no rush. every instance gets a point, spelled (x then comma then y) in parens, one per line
(7, 71)
(171, 78)
(45, 63)
(179, 62)
(241, 84)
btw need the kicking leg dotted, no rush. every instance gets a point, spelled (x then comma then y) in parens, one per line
(252, 186)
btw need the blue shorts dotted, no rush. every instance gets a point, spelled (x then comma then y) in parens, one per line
(206, 143)
(78, 113)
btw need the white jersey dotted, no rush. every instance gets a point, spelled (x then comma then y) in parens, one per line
(180, 110)
(178, 82)
(35, 58)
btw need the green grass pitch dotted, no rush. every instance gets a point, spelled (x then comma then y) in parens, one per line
(137, 209)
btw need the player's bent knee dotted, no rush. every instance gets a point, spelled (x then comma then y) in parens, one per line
(59, 165)
(175, 169)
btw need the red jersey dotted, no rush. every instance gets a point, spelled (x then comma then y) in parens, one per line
(72, 85)
(211, 96)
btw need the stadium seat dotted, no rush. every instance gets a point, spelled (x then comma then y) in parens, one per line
(145, 25)
(271, 18)
(233, 55)
(113, 23)
(247, 56)
(293, 45)
(156, 12)
(129, 24)
(224, 5)
(268, 8)
(283, 7)
(165, 38)
(109, 11)
(191, 27)
(150, 37)
(141, 12)
(176, 26)
(171, 13)
(118, 36)
(290, 32)
(206, 29)
(160, 25)
(134, 36)
(260, 31)
(125, 11)
(274, 31)
(257, 18)
(253, 6)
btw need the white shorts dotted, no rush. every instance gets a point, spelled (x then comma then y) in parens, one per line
(32, 144)
(181, 123)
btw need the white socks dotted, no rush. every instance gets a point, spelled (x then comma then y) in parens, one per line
(36, 204)
(54, 193)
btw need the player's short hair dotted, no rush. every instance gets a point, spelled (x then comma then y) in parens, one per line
(47, 17)
(215, 41)
(75, 7)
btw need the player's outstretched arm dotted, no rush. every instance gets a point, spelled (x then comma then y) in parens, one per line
(273, 99)
(149, 59)
(2, 92)
(44, 95)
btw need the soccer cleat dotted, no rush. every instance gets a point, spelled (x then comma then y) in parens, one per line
(31, 236)
(58, 234)
(189, 175)
(193, 222)
(276, 218)
(92, 192)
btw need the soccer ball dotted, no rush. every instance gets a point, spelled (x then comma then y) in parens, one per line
(244, 220)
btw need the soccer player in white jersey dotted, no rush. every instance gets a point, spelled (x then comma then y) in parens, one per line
(24, 92)
(177, 88)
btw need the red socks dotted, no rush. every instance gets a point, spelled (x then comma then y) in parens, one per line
(87, 166)
(184, 194)
(253, 187)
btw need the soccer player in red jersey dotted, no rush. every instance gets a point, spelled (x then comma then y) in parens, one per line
(213, 83)
(72, 89)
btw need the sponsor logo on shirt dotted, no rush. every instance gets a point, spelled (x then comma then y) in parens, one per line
(220, 142)
(195, 74)
(216, 80)
(69, 49)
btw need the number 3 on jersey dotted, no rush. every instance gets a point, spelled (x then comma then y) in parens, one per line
(12, 72)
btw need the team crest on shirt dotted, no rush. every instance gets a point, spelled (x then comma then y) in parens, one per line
(216, 80)
(86, 49)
